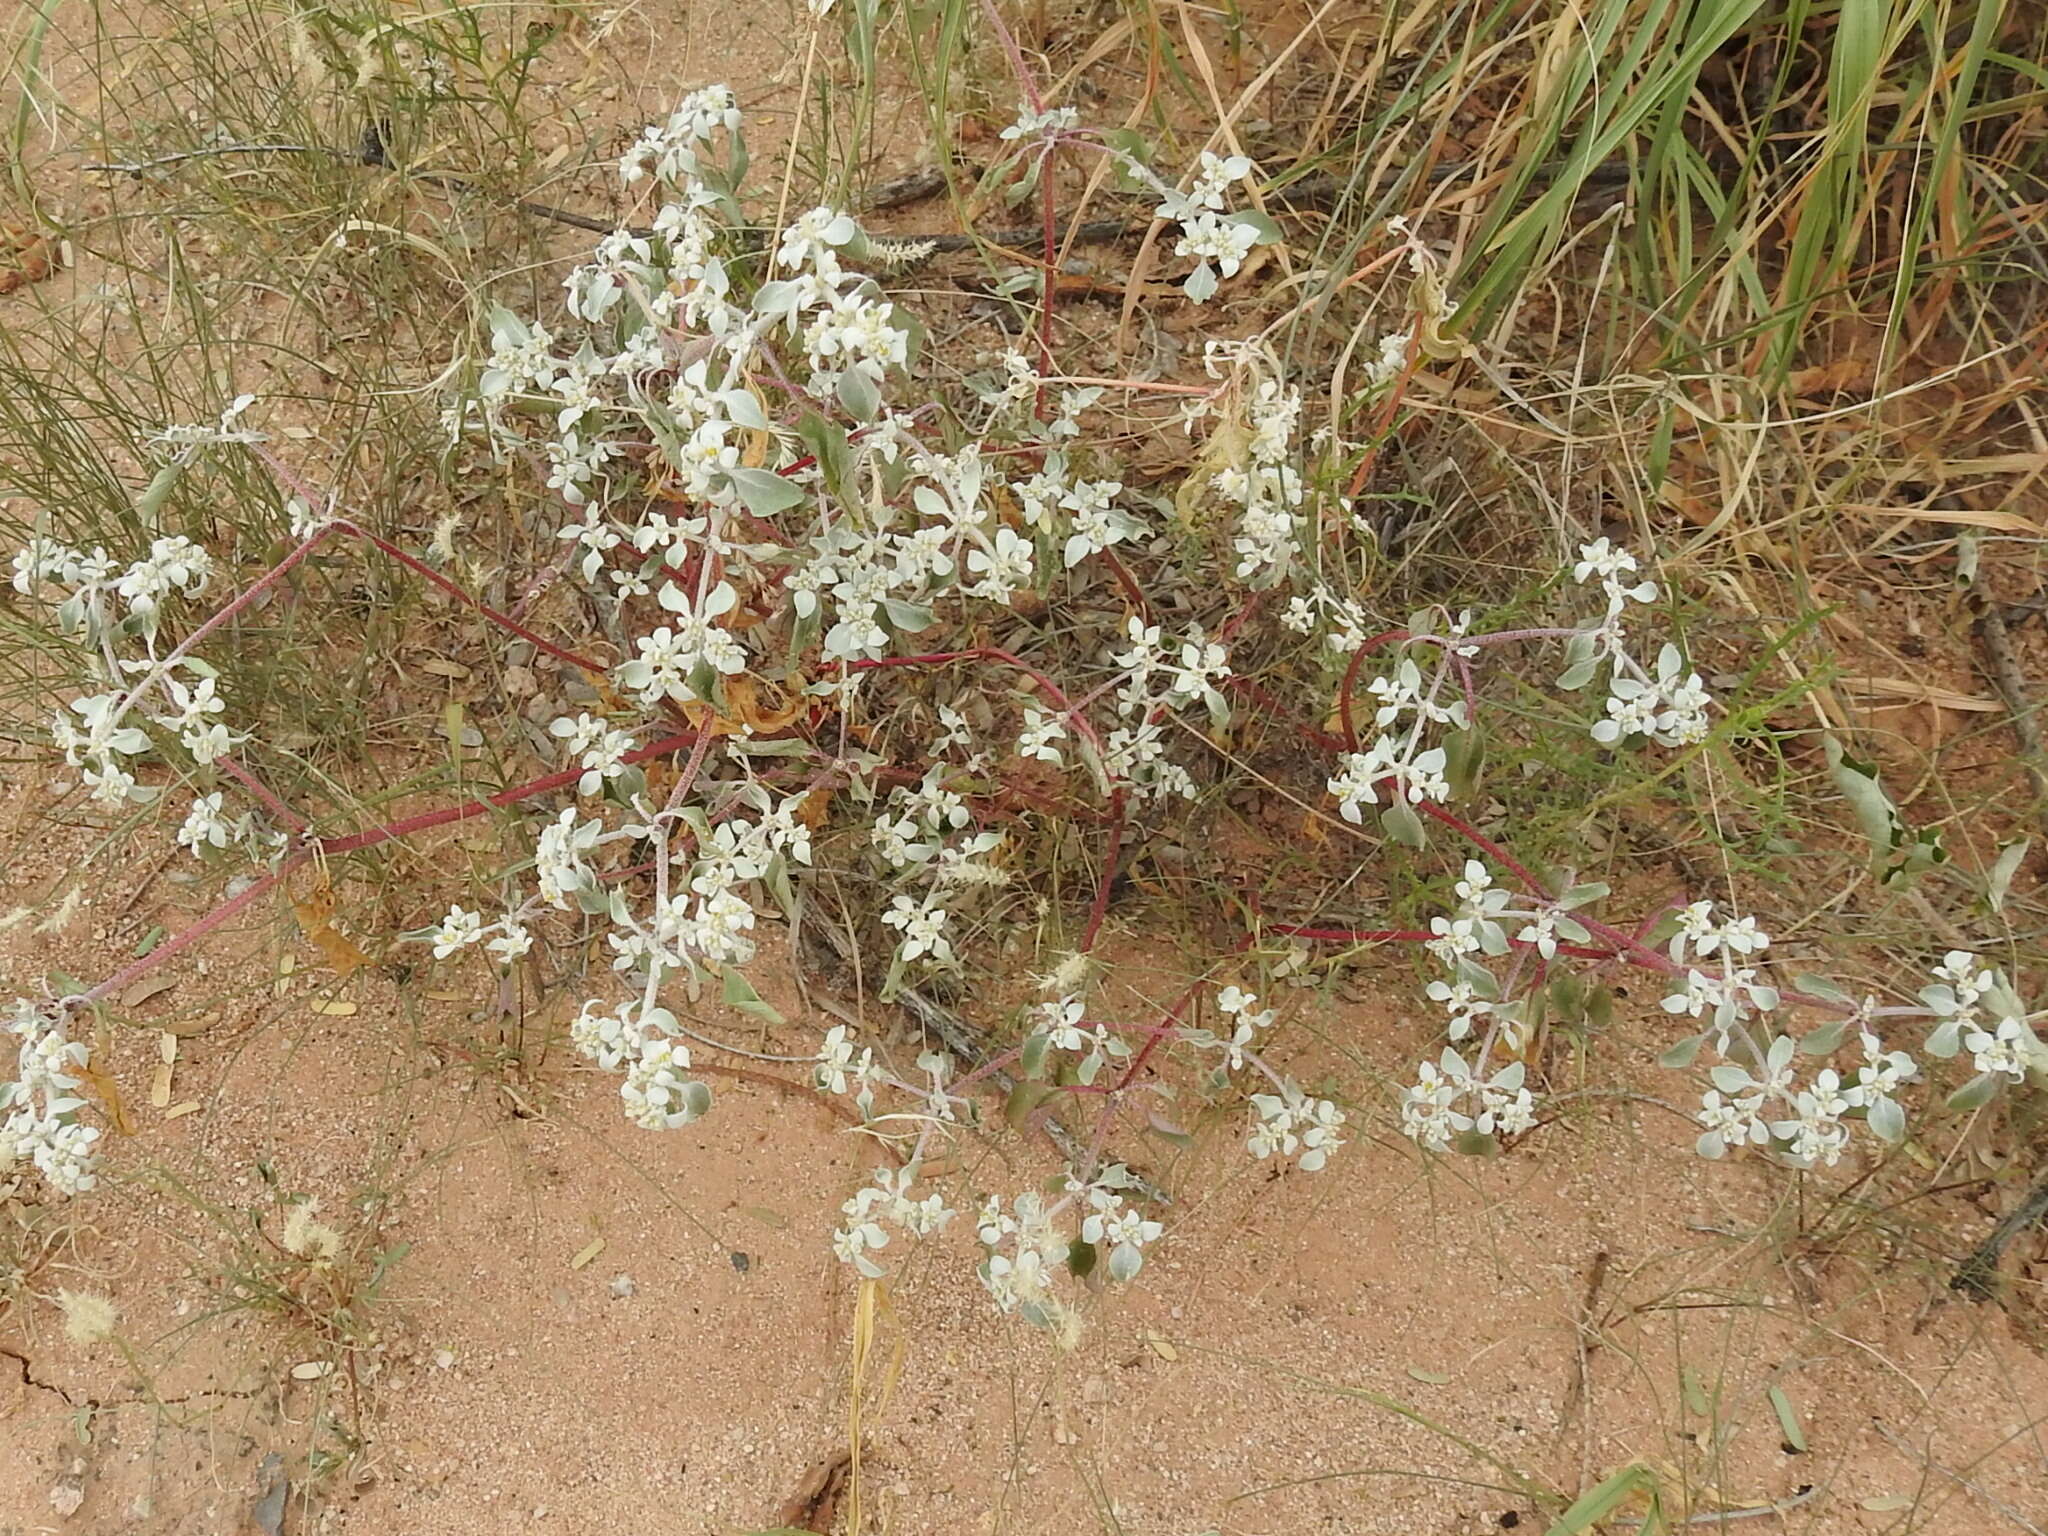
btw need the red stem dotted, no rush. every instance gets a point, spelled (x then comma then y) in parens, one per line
(350, 843)
(1351, 678)
(261, 791)
(502, 620)
(1100, 907)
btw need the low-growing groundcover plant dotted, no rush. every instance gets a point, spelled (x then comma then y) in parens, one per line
(919, 645)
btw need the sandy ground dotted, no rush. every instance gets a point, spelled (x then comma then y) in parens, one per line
(587, 1328)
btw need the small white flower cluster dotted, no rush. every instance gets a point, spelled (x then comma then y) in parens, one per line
(844, 1067)
(1047, 124)
(180, 443)
(1292, 1124)
(1157, 681)
(1733, 991)
(925, 831)
(1450, 1099)
(1398, 762)
(1669, 707)
(207, 825)
(1022, 1279)
(507, 939)
(1802, 1125)
(1062, 1023)
(1979, 1012)
(668, 151)
(1219, 241)
(642, 1040)
(887, 1202)
(1028, 1244)
(99, 740)
(41, 1102)
(1266, 487)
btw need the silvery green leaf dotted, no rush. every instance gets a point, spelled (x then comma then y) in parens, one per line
(507, 329)
(1978, 1090)
(1578, 674)
(743, 409)
(1681, 1055)
(765, 493)
(908, 617)
(1580, 895)
(1478, 978)
(1821, 987)
(1888, 1120)
(1825, 1040)
(1400, 822)
(777, 881)
(622, 788)
(1999, 881)
(696, 1100)
(776, 298)
(1201, 284)
(1250, 218)
(1729, 1078)
(858, 394)
(739, 994)
(1031, 1060)
(1474, 1144)
(1124, 1262)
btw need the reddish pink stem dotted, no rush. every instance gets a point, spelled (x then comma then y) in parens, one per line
(1100, 907)
(350, 843)
(1351, 678)
(502, 620)
(261, 791)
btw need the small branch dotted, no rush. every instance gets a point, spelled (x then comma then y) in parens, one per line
(1974, 1276)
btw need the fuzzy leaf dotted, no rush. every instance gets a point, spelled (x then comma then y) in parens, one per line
(764, 492)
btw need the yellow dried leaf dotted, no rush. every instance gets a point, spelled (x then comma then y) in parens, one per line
(749, 711)
(316, 921)
(108, 1092)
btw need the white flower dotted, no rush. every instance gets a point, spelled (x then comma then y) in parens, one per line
(657, 1094)
(558, 857)
(1290, 1122)
(1061, 1020)
(1003, 567)
(1042, 125)
(2002, 1050)
(1464, 1005)
(204, 825)
(1731, 1123)
(924, 930)
(1040, 731)
(512, 941)
(601, 747)
(458, 930)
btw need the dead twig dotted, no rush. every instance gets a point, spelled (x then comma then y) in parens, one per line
(1974, 1276)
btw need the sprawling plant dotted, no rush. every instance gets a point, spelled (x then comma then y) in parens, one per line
(780, 545)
